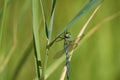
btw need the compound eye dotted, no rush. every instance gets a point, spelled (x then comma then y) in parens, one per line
(68, 35)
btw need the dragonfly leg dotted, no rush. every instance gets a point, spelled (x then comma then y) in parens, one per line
(59, 39)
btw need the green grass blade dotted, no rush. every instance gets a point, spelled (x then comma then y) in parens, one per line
(27, 52)
(4, 14)
(3, 20)
(60, 60)
(54, 66)
(52, 18)
(44, 19)
(53, 6)
(82, 12)
(48, 32)
(36, 37)
(98, 26)
(47, 35)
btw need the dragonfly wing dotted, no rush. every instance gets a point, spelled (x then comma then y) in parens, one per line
(59, 54)
(71, 44)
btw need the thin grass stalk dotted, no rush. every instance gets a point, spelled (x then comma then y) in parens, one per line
(78, 39)
(51, 19)
(26, 53)
(3, 66)
(82, 12)
(99, 25)
(2, 32)
(36, 38)
(2, 27)
(47, 36)
(48, 32)
(44, 20)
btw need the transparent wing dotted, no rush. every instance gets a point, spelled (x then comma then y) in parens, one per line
(61, 52)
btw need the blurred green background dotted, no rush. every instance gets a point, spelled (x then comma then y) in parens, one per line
(98, 58)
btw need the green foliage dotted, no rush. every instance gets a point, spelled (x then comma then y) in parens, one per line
(36, 24)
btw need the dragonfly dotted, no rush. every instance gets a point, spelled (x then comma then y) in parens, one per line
(66, 43)
(66, 37)
(68, 46)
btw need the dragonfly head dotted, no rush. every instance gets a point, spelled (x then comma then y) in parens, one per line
(67, 35)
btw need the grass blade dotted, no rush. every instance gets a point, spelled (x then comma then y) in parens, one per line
(36, 37)
(44, 19)
(3, 20)
(3, 15)
(82, 12)
(54, 66)
(48, 32)
(79, 37)
(52, 18)
(27, 52)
